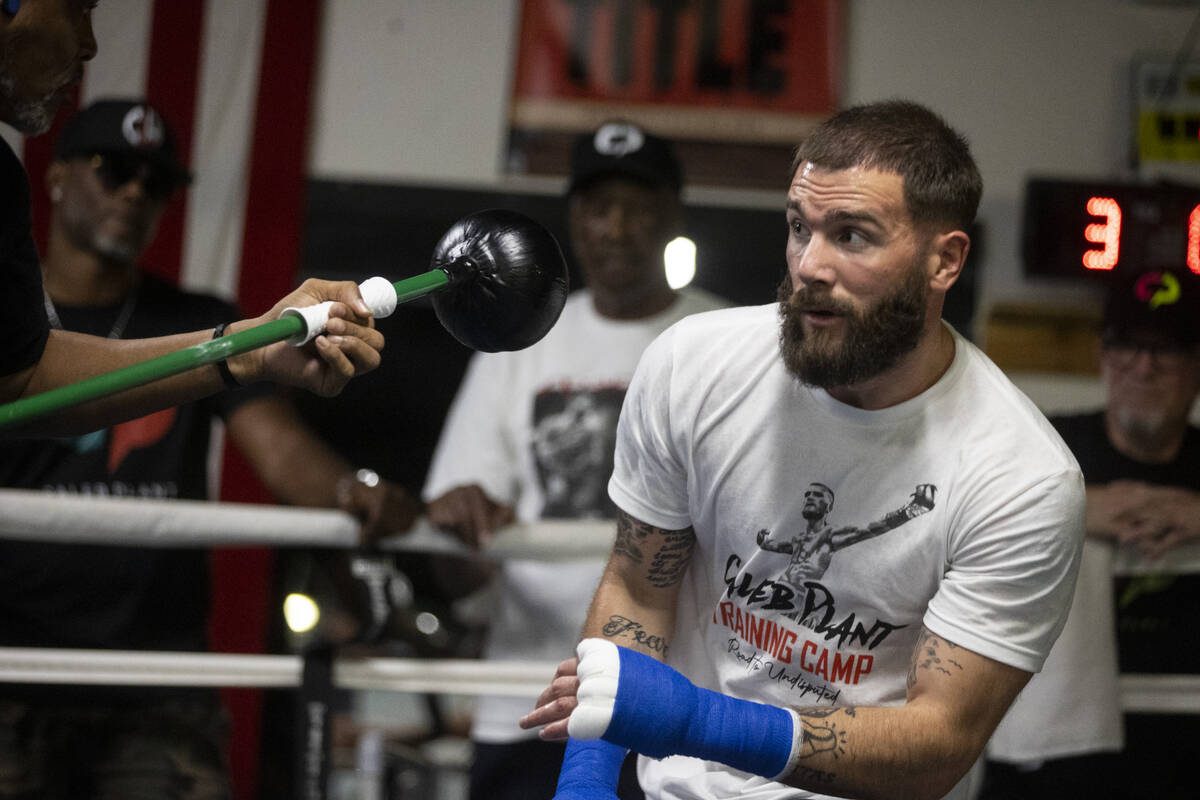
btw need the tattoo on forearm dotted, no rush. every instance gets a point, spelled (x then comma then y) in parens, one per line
(932, 653)
(810, 776)
(823, 731)
(669, 564)
(827, 712)
(619, 627)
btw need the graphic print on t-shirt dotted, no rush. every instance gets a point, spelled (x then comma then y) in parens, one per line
(574, 437)
(758, 610)
(812, 549)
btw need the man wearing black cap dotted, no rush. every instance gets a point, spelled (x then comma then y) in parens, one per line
(1141, 459)
(43, 47)
(531, 434)
(114, 172)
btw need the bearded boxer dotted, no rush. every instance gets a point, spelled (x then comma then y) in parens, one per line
(903, 656)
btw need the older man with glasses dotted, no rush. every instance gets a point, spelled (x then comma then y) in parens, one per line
(1064, 736)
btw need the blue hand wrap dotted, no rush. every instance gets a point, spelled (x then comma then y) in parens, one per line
(658, 712)
(590, 770)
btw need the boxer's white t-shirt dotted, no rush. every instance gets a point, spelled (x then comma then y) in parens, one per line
(717, 435)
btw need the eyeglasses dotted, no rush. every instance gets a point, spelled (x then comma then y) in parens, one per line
(117, 169)
(1163, 355)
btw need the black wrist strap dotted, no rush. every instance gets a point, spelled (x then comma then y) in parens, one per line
(222, 366)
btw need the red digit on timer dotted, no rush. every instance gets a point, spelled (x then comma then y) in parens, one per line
(1193, 245)
(1107, 233)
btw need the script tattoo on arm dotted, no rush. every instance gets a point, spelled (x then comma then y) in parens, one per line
(932, 653)
(619, 627)
(671, 560)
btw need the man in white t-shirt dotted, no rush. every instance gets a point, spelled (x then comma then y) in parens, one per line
(884, 674)
(531, 433)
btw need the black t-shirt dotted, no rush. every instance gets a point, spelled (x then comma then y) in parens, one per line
(25, 328)
(54, 595)
(1156, 614)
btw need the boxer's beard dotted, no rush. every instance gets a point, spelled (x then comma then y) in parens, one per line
(871, 341)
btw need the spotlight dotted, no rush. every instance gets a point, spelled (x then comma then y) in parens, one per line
(679, 256)
(300, 612)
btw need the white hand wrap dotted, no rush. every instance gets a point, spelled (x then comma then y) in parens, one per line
(599, 675)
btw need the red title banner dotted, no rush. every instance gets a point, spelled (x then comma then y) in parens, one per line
(767, 55)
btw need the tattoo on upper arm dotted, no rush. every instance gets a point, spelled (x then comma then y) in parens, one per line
(630, 533)
(932, 653)
(671, 560)
(671, 551)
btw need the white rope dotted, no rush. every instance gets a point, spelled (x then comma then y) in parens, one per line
(82, 519)
(157, 668)
(1180, 560)
(1153, 694)
(137, 522)
(42, 516)
(132, 521)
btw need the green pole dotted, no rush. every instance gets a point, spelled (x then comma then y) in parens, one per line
(30, 408)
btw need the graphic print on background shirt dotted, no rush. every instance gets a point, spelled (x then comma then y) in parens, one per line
(137, 434)
(114, 445)
(765, 642)
(574, 438)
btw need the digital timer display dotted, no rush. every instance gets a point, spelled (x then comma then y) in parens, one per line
(1081, 228)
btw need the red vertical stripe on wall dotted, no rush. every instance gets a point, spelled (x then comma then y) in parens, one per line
(172, 83)
(275, 197)
(269, 257)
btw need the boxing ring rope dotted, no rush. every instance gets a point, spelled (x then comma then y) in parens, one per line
(1152, 694)
(42, 516)
(135, 522)
(153, 668)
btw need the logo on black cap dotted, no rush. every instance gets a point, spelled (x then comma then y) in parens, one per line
(143, 127)
(618, 139)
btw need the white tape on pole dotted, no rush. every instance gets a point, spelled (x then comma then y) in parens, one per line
(378, 293)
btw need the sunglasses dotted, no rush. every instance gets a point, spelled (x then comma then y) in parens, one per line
(117, 169)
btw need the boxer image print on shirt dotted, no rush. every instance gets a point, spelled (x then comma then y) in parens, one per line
(812, 549)
(574, 436)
